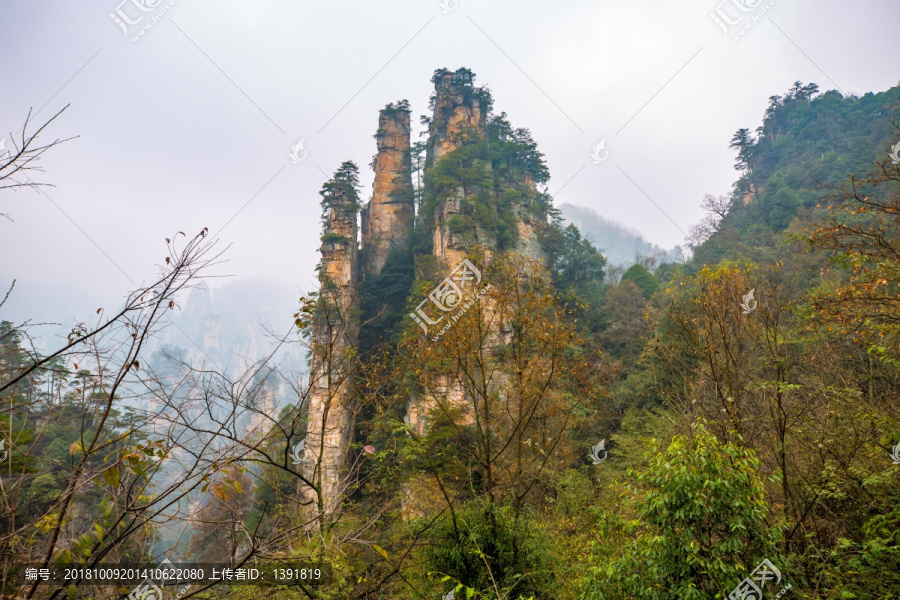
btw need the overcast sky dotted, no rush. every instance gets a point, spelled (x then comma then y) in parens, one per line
(191, 125)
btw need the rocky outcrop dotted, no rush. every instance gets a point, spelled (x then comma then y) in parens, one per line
(460, 112)
(334, 335)
(750, 194)
(387, 219)
(529, 245)
(443, 390)
(452, 247)
(457, 112)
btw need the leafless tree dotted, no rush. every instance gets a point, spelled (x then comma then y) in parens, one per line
(117, 459)
(21, 161)
(716, 208)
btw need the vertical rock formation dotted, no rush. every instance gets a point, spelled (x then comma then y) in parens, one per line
(458, 112)
(334, 335)
(467, 214)
(387, 219)
(528, 244)
(265, 401)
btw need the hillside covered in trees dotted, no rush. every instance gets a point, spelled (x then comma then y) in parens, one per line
(487, 413)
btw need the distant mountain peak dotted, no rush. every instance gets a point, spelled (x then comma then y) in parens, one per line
(618, 242)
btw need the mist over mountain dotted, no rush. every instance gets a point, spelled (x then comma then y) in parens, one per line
(233, 327)
(619, 243)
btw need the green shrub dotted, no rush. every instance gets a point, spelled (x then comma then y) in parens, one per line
(700, 527)
(487, 544)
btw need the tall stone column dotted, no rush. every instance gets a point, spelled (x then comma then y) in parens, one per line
(456, 109)
(387, 219)
(460, 110)
(457, 113)
(332, 407)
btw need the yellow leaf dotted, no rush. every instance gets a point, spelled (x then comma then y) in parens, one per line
(111, 476)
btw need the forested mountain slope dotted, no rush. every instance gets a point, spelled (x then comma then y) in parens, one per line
(807, 142)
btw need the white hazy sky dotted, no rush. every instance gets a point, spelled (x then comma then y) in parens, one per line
(191, 125)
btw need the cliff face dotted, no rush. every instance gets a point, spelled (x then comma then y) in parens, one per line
(387, 219)
(334, 336)
(528, 244)
(457, 113)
